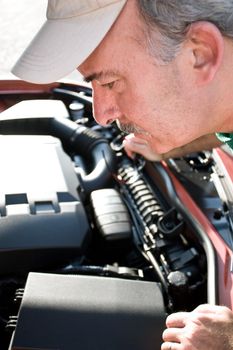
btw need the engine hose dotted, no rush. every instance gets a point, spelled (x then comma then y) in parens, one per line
(80, 139)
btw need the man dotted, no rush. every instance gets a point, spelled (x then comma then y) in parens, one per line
(163, 70)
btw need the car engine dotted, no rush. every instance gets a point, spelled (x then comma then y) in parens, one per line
(96, 248)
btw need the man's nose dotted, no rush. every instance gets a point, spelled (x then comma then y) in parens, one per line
(105, 109)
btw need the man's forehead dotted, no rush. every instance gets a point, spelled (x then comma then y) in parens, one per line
(121, 31)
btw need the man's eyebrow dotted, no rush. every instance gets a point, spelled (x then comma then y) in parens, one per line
(98, 75)
(92, 76)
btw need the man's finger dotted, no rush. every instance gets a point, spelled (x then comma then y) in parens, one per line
(171, 346)
(177, 320)
(210, 309)
(172, 335)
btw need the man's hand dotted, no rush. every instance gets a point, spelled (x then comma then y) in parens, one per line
(208, 327)
(134, 145)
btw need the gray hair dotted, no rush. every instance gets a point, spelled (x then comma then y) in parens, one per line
(172, 19)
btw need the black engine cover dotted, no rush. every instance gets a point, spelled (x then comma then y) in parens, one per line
(42, 220)
(86, 313)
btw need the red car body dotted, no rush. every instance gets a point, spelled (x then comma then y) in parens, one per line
(180, 182)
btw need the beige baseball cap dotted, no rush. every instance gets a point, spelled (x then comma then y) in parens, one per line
(73, 29)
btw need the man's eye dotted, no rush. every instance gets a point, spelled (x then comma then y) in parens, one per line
(109, 85)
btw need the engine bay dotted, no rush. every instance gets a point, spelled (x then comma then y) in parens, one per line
(94, 242)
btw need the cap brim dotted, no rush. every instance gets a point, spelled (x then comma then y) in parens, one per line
(62, 45)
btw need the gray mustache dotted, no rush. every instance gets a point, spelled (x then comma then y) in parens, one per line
(129, 128)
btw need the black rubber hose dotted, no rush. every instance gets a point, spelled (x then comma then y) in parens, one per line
(80, 139)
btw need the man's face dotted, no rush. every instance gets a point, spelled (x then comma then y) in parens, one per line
(156, 102)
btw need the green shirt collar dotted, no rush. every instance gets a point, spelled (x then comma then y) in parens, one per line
(225, 138)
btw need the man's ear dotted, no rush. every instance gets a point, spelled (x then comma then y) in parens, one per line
(207, 45)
